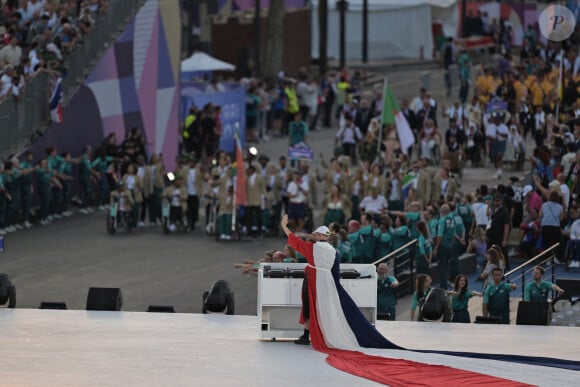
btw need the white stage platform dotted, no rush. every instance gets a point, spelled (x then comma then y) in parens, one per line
(81, 348)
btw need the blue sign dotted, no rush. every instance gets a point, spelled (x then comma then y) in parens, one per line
(300, 151)
(233, 104)
(1, 243)
(496, 105)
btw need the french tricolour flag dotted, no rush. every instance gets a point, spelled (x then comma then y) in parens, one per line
(55, 105)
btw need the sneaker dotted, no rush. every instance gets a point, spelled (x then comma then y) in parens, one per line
(223, 237)
(11, 229)
(2, 232)
(84, 211)
(101, 208)
(302, 340)
(44, 222)
(19, 227)
(68, 213)
(27, 224)
(574, 264)
(141, 224)
(227, 237)
(90, 210)
(57, 216)
(172, 227)
(49, 218)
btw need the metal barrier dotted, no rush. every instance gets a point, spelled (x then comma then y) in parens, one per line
(403, 259)
(545, 257)
(21, 120)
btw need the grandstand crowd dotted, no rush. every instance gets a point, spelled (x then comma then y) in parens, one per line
(37, 35)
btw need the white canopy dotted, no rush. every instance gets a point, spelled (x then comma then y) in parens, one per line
(201, 61)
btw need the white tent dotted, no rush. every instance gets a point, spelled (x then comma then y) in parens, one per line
(201, 61)
(396, 28)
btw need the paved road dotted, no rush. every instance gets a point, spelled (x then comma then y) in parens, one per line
(61, 261)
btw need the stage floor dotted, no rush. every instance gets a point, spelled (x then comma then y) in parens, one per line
(82, 348)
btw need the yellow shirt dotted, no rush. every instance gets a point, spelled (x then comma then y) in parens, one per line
(521, 90)
(548, 86)
(494, 83)
(482, 84)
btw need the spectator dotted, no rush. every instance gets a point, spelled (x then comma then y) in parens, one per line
(422, 289)
(537, 290)
(12, 53)
(552, 213)
(386, 293)
(496, 299)
(461, 295)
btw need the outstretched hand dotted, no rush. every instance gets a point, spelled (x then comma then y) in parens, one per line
(284, 224)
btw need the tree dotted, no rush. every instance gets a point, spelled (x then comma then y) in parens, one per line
(274, 40)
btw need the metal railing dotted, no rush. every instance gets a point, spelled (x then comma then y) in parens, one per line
(545, 257)
(21, 120)
(402, 260)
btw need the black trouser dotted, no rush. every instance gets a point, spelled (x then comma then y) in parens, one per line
(192, 210)
(175, 214)
(550, 236)
(144, 208)
(349, 150)
(305, 299)
(254, 218)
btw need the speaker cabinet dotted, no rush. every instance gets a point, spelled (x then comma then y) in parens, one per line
(110, 299)
(487, 320)
(52, 305)
(534, 313)
(161, 309)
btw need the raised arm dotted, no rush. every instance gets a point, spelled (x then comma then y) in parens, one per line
(303, 247)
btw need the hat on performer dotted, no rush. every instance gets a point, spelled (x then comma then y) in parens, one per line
(323, 230)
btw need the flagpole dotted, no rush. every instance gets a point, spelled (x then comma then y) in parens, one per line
(382, 123)
(234, 211)
(560, 85)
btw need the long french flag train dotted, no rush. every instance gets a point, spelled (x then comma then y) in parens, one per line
(55, 103)
(339, 329)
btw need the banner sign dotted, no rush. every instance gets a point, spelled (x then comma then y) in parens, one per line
(233, 104)
(300, 151)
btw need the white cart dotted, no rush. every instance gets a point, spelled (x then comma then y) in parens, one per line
(279, 299)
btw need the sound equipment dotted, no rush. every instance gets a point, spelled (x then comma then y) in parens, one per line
(52, 305)
(160, 309)
(105, 299)
(534, 313)
(488, 320)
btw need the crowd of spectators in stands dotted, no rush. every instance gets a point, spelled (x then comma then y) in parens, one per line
(37, 35)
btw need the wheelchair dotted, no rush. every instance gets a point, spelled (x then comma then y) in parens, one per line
(117, 219)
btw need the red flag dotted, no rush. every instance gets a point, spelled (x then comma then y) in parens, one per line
(240, 175)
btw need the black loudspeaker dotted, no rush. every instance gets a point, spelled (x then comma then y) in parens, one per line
(161, 309)
(488, 320)
(105, 299)
(534, 313)
(52, 305)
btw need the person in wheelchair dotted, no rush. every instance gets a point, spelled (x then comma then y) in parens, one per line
(176, 194)
(430, 139)
(123, 199)
(455, 141)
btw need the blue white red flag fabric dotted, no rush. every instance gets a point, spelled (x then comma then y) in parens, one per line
(339, 329)
(55, 104)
